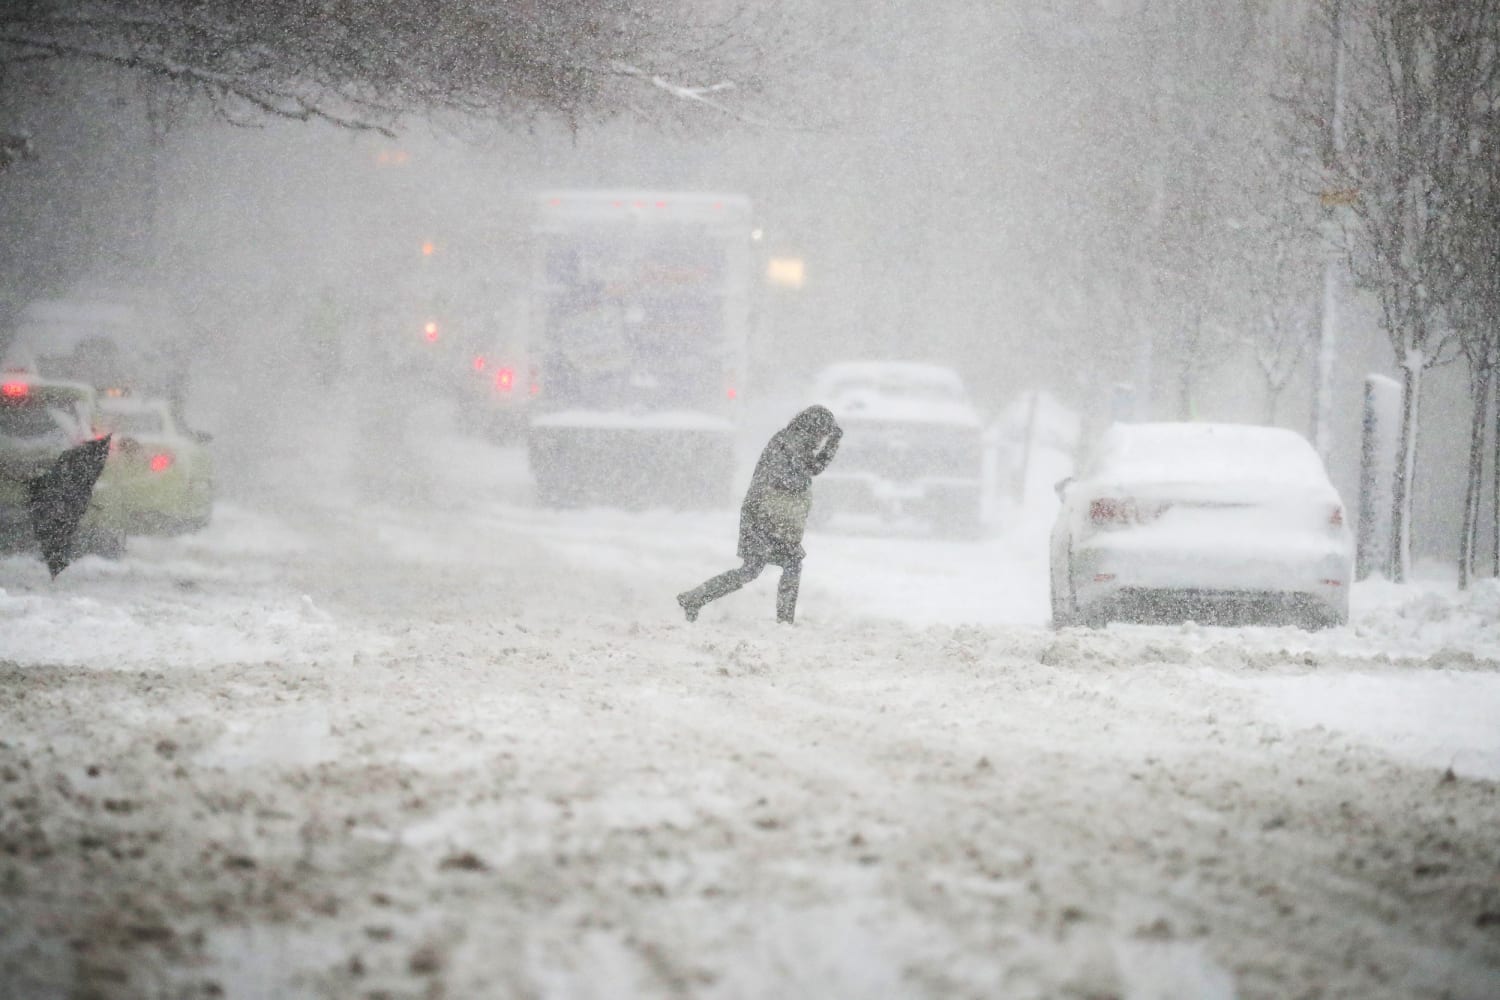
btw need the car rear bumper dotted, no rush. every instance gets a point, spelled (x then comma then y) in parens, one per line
(1293, 576)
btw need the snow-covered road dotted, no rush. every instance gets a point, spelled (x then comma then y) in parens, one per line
(462, 748)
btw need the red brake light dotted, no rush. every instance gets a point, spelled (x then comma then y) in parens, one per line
(505, 379)
(15, 390)
(430, 331)
(479, 362)
(733, 393)
(1110, 511)
(1117, 512)
(161, 462)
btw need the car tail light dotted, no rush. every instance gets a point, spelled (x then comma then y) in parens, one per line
(160, 462)
(1115, 512)
(505, 379)
(1108, 510)
(15, 390)
(430, 331)
(479, 362)
(732, 393)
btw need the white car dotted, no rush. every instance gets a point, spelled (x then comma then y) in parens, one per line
(1215, 523)
(912, 445)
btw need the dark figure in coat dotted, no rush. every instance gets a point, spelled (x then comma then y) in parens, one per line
(774, 513)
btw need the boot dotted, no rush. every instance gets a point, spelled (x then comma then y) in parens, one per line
(786, 593)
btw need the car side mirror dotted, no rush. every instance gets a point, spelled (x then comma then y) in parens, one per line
(1061, 486)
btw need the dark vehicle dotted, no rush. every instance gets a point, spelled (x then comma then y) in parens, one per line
(912, 447)
(39, 420)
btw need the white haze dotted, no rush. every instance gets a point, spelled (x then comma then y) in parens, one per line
(1030, 191)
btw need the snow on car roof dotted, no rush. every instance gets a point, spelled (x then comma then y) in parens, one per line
(1190, 452)
(895, 391)
(133, 404)
(881, 371)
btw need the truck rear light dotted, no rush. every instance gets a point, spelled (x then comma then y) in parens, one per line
(15, 390)
(505, 379)
(160, 462)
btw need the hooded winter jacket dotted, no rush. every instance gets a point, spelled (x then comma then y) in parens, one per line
(774, 514)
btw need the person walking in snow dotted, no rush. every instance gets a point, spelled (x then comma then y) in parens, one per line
(775, 510)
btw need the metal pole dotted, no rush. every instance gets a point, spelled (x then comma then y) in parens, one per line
(1328, 334)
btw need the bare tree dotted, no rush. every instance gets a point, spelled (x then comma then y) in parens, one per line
(1414, 72)
(1479, 347)
(1276, 252)
(1282, 327)
(365, 64)
(1475, 197)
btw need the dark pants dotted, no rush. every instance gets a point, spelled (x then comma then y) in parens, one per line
(728, 583)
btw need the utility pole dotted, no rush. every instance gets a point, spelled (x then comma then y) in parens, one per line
(1322, 429)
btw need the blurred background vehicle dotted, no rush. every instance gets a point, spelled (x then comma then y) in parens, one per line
(912, 446)
(496, 381)
(1215, 523)
(164, 474)
(639, 322)
(39, 420)
(107, 337)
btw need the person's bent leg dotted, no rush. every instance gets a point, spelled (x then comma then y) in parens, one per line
(786, 592)
(712, 590)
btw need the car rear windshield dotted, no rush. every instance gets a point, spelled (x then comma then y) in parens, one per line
(1211, 454)
(36, 418)
(144, 422)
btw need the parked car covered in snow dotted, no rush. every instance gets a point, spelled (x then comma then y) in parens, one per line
(164, 474)
(912, 445)
(1215, 523)
(39, 420)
